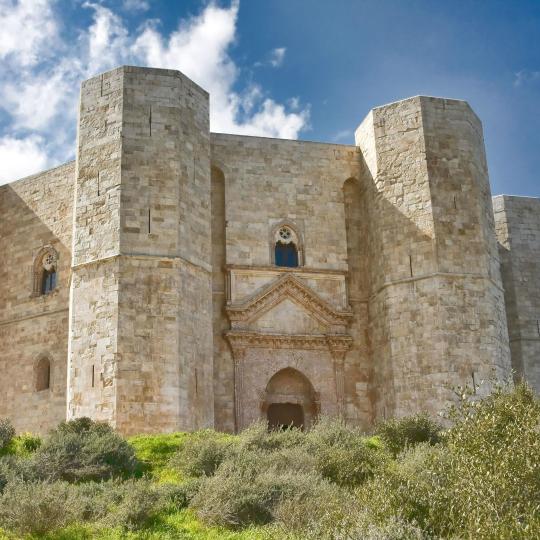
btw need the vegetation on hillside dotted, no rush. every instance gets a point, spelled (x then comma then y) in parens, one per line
(478, 479)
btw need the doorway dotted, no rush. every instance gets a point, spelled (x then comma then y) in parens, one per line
(289, 400)
(285, 415)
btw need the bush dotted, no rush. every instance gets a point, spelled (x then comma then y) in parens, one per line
(237, 498)
(248, 486)
(343, 455)
(321, 513)
(257, 437)
(7, 432)
(28, 443)
(490, 473)
(15, 467)
(179, 496)
(131, 504)
(6, 471)
(202, 453)
(484, 482)
(82, 450)
(400, 433)
(38, 507)
(41, 507)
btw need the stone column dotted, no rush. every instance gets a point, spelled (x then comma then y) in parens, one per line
(239, 355)
(338, 348)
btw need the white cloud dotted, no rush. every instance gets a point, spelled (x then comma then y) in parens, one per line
(28, 30)
(294, 103)
(136, 5)
(525, 76)
(199, 48)
(274, 121)
(277, 56)
(21, 157)
(33, 101)
(107, 40)
(40, 76)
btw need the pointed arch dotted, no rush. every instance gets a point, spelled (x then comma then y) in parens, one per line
(286, 245)
(45, 271)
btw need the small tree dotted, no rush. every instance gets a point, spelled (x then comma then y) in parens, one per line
(7, 432)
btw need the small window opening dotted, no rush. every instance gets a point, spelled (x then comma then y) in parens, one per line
(286, 255)
(285, 249)
(43, 375)
(45, 272)
(48, 281)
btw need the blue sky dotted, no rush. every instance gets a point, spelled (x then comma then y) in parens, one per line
(308, 69)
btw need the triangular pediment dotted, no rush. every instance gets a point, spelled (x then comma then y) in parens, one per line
(291, 289)
(287, 317)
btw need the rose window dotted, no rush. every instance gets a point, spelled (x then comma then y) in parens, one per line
(285, 234)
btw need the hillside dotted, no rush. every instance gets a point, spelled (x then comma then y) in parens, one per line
(411, 480)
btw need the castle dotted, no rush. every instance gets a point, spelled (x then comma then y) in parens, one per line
(173, 279)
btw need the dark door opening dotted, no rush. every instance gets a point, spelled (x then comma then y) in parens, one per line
(285, 415)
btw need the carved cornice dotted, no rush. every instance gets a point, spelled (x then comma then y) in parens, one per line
(240, 340)
(299, 270)
(288, 286)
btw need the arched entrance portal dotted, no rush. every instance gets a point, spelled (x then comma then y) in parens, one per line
(290, 400)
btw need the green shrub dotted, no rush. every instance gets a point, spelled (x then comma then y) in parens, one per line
(202, 453)
(317, 514)
(490, 473)
(7, 432)
(82, 450)
(6, 471)
(400, 433)
(38, 507)
(237, 498)
(14, 467)
(247, 487)
(41, 507)
(28, 443)
(343, 455)
(179, 496)
(484, 482)
(257, 437)
(131, 504)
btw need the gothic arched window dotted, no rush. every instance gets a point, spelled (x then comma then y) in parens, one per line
(45, 271)
(43, 374)
(286, 248)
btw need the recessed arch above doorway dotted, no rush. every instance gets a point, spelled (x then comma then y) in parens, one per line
(290, 400)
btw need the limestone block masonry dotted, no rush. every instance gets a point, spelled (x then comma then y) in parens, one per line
(175, 279)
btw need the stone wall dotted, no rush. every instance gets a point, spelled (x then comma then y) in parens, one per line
(517, 222)
(170, 312)
(270, 182)
(35, 212)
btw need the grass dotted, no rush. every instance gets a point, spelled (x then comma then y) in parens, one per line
(21, 445)
(181, 525)
(155, 452)
(476, 479)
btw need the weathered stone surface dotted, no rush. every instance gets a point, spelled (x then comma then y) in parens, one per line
(517, 222)
(170, 312)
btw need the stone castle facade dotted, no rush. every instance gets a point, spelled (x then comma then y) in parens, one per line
(172, 278)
